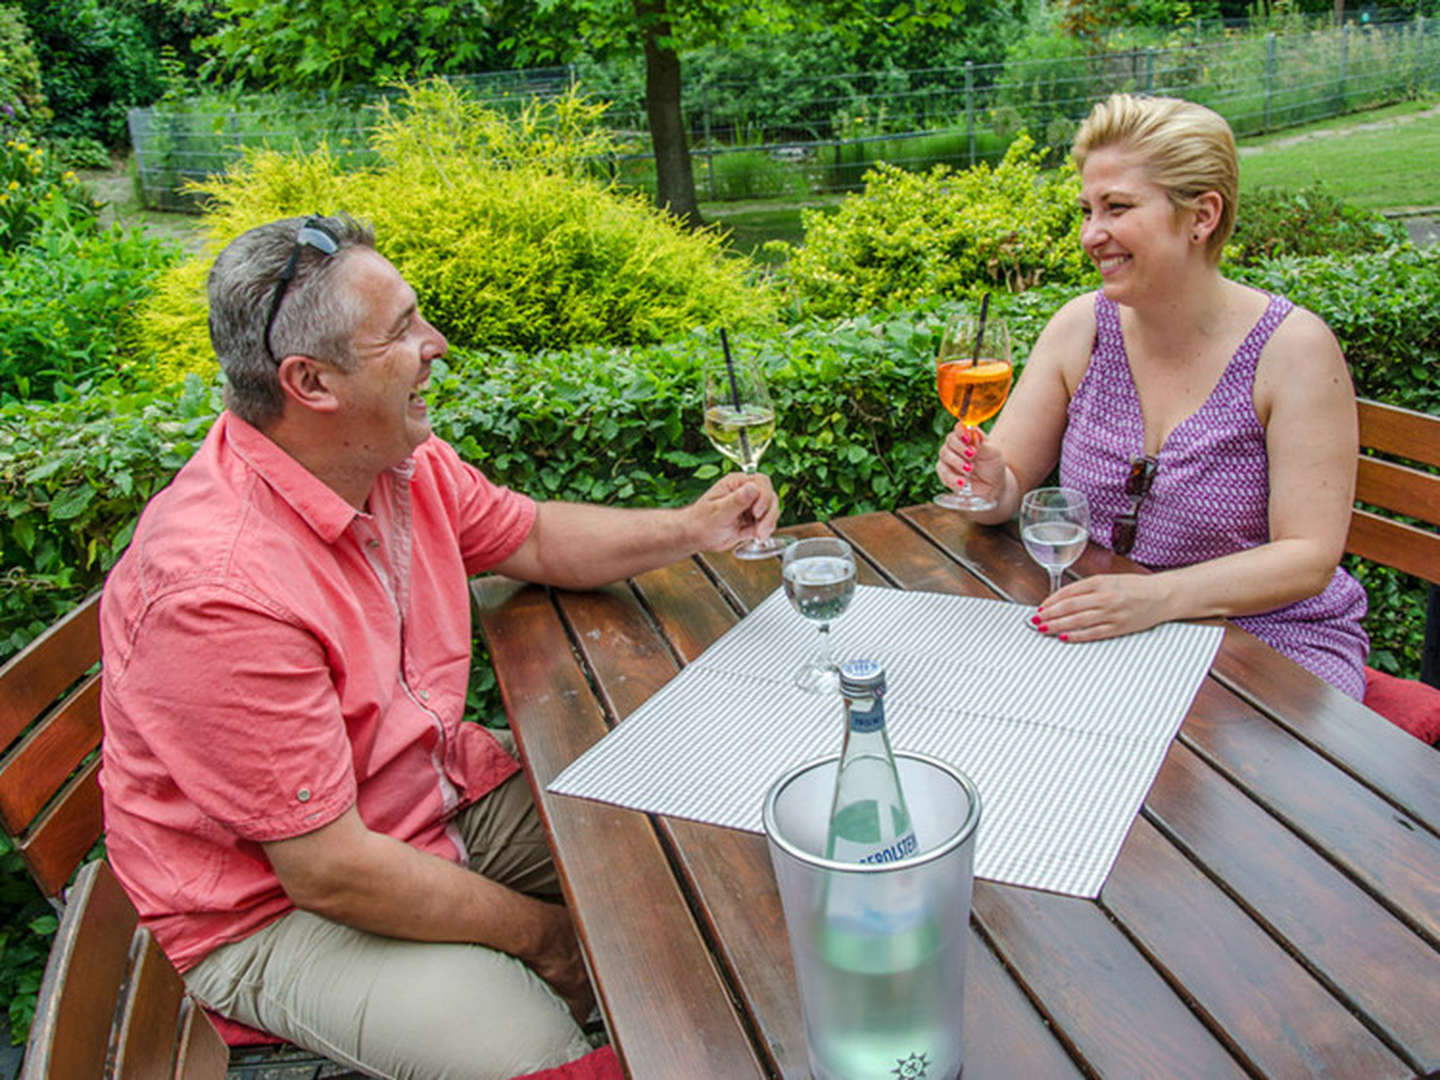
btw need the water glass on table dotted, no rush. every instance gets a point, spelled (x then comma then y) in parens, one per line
(1055, 526)
(819, 579)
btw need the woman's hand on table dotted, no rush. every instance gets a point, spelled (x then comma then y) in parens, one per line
(1104, 606)
(966, 452)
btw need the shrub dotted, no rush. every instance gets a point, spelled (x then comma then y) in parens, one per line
(33, 189)
(909, 236)
(74, 476)
(491, 218)
(1384, 307)
(23, 111)
(67, 300)
(1311, 221)
(97, 59)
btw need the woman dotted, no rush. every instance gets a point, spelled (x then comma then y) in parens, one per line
(1211, 425)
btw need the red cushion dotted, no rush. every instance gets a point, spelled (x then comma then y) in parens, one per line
(599, 1064)
(1409, 703)
(237, 1034)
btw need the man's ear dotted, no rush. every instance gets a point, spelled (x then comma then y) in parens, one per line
(309, 382)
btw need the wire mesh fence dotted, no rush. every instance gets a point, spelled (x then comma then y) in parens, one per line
(820, 133)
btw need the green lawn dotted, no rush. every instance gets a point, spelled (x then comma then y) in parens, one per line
(1387, 168)
(1342, 152)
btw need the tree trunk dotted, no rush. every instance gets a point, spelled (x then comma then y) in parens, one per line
(675, 180)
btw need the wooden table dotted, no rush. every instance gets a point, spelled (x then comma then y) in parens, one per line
(1275, 909)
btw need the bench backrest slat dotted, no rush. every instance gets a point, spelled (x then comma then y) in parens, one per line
(202, 1054)
(38, 766)
(88, 964)
(62, 836)
(149, 1026)
(111, 1004)
(1399, 488)
(31, 680)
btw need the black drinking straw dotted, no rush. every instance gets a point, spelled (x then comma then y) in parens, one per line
(735, 393)
(979, 337)
(980, 330)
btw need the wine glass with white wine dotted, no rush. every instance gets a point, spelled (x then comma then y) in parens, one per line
(819, 578)
(1055, 525)
(740, 422)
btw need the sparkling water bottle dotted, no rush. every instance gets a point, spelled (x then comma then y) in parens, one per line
(877, 1008)
(869, 822)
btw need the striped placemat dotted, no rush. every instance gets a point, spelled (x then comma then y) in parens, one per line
(1062, 740)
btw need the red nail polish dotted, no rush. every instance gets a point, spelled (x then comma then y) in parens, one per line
(1064, 637)
(1044, 629)
(1035, 619)
(967, 466)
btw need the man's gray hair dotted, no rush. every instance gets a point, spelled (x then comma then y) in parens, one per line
(315, 317)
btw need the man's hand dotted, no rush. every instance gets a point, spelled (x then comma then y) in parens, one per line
(557, 960)
(737, 507)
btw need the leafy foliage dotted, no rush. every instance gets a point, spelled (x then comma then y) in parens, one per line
(67, 288)
(910, 236)
(317, 44)
(1382, 307)
(97, 59)
(33, 190)
(27, 925)
(23, 110)
(1310, 221)
(491, 219)
(74, 475)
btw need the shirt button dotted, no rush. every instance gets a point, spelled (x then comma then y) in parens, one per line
(424, 695)
(303, 794)
(372, 544)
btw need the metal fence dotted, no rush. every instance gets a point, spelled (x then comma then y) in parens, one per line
(820, 133)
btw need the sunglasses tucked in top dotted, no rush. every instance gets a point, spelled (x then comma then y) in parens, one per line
(1137, 486)
(312, 234)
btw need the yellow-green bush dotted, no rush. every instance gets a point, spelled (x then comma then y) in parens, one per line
(494, 221)
(909, 236)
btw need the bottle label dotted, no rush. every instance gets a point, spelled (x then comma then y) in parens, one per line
(867, 719)
(902, 848)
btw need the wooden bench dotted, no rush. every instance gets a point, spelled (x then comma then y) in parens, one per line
(1387, 431)
(50, 807)
(112, 1004)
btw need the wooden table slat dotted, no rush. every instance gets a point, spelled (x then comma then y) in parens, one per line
(621, 890)
(1280, 1019)
(1375, 964)
(1115, 1010)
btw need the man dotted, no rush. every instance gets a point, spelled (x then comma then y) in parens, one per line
(315, 839)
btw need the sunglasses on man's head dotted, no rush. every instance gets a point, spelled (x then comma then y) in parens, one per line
(312, 234)
(1137, 486)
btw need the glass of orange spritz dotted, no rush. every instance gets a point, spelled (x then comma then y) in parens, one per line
(972, 376)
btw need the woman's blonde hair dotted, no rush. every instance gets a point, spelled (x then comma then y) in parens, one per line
(1185, 148)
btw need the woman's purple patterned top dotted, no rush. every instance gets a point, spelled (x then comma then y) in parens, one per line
(1210, 494)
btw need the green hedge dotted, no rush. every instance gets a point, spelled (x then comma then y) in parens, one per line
(859, 425)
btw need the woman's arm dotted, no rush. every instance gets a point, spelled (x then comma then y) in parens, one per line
(1025, 443)
(1304, 397)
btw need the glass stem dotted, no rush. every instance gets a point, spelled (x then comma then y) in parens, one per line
(824, 659)
(1056, 578)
